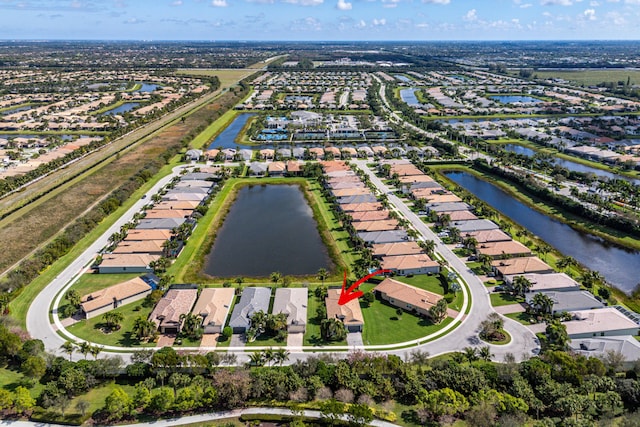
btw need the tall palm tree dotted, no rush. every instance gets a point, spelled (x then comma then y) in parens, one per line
(322, 274)
(95, 351)
(542, 303)
(520, 285)
(68, 348)
(485, 353)
(429, 246)
(239, 281)
(280, 356)
(256, 359)
(84, 348)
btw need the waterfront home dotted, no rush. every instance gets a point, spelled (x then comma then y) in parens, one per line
(167, 213)
(509, 248)
(187, 183)
(253, 299)
(599, 347)
(404, 265)
(126, 263)
(351, 191)
(160, 223)
(407, 297)
(185, 205)
(389, 236)
(601, 322)
(293, 303)
(486, 236)
(380, 225)
(409, 180)
(447, 207)
(520, 265)
(293, 168)
(176, 302)
(344, 183)
(567, 301)
(395, 249)
(213, 306)
(474, 225)
(461, 215)
(547, 282)
(362, 198)
(350, 313)
(151, 247)
(404, 169)
(277, 168)
(361, 207)
(369, 216)
(104, 300)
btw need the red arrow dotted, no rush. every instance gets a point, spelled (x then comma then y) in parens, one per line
(347, 295)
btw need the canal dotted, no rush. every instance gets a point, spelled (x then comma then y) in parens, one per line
(568, 164)
(619, 266)
(268, 228)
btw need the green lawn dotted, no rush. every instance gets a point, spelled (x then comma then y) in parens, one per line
(265, 341)
(11, 379)
(382, 325)
(424, 281)
(312, 335)
(520, 317)
(89, 329)
(499, 298)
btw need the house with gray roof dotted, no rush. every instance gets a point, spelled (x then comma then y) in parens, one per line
(568, 301)
(292, 302)
(253, 299)
(258, 169)
(474, 225)
(388, 236)
(447, 207)
(626, 345)
(361, 198)
(197, 176)
(160, 223)
(244, 155)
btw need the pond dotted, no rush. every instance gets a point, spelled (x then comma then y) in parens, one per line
(402, 78)
(572, 166)
(127, 106)
(515, 99)
(227, 138)
(268, 228)
(619, 266)
(409, 97)
(146, 87)
(16, 110)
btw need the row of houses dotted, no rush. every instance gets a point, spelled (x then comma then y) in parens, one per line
(147, 241)
(374, 224)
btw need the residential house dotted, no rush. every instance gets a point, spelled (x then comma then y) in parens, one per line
(160, 223)
(547, 282)
(104, 300)
(151, 247)
(474, 225)
(292, 302)
(599, 347)
(519, 266)
(404, 265)
(407, 297)
(126, 263)
(567, 301)
(601, 322)
(253, 299)
(509, 248)
(213, 306)
(277, 168)
(176, 302)
(350, 313)
(389, 236)
(396, 249)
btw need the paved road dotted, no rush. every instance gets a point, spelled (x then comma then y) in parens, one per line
(38, 323)
(523, 344)
(202, 418)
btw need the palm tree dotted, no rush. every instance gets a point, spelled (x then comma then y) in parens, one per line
(429, 246)
(543, 249)
(68, 348)
(542, 303)
(322, 274)
(280, 356)
(471, 354)
(566, 263)
(256, 359)
(486, 261)
(275, 277)
(84, 348)
(113, 319)
(95, 351)
(520, 285)
(239, 281)
(485, 353)
(470, 243)
(557, 336)
(143, 328)
(268, 356)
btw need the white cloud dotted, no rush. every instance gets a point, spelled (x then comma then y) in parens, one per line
(219, 3)
(343, 5)
(556, 2)
(436, 1)
(379, 22)
(590, 14)
(390, 3)
(471, 16)
(305, 2)
(176, 3)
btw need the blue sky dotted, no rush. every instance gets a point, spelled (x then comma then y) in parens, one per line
(320, 19)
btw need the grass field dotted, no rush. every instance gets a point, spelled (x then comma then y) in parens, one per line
(523, 318)
(382, 325)
(498, 299)
(226, 77)
(592, 77)
(90, 329)
(312, 335)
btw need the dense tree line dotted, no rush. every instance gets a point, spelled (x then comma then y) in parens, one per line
(556, 388)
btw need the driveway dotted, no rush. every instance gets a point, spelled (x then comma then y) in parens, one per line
(354, 339)
(295, 341)
(511, 308)
(237, 340)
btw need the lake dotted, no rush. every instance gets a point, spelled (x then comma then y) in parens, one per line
(127, 106)
(268, 228)
(409, 96)
(515, 99)
(572, 166)
(227, 138)
(619, 266)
